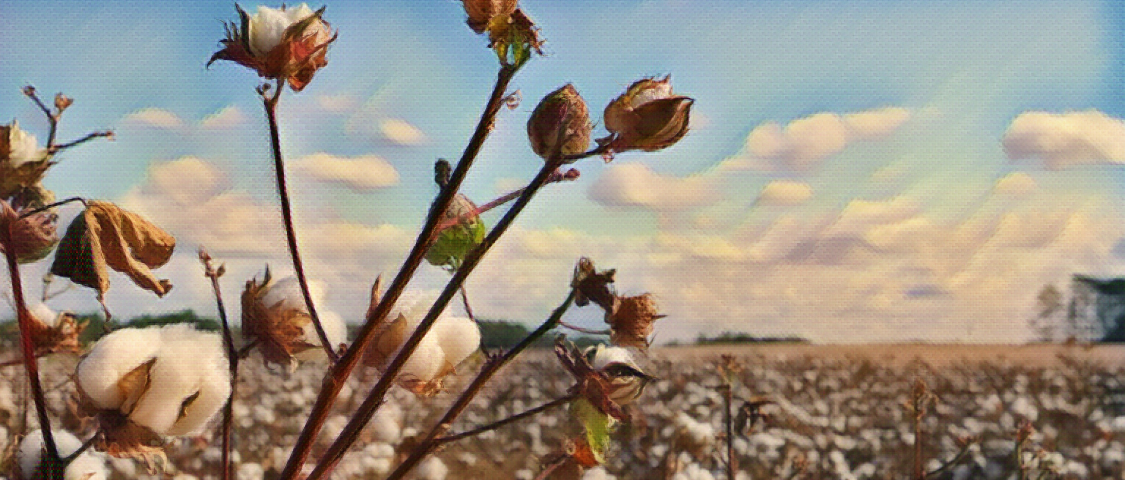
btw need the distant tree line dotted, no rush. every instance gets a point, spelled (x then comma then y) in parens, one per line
(1094, 311)
(9, 331)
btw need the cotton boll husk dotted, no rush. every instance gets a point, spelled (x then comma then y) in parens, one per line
(426, 363)
(85, 467)
(188, 362)
(114, 356)
(458, 337)
(334, 328)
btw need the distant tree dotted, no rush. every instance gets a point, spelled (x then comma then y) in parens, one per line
(1046, 323)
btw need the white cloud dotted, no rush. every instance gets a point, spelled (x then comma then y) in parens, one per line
(802, 143)
(401, 132)
(784, 193)
(336, 103)
(228, 117)
(155, 117)
(1015, 184)
(636, 185)
(361, 174)
(1067, 139)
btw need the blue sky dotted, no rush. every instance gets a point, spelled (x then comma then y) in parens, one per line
(856, 171)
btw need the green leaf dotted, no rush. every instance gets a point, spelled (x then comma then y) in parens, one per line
(598, 426)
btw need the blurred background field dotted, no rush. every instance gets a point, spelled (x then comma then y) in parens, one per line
(838, 413)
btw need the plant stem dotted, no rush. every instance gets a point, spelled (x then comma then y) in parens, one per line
(728, 394)
(468, 308)
(270, 103)
(437, 442)
(53, 205)
(465, 217)
(52, 118)
(375, 398)
(343, 368)
(427, 444)
(90, 136)
(232, 362)
(52, 465)
(588, 331)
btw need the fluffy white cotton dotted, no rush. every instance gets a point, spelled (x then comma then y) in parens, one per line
(114, 356)
(458, 337)
(23, 146)
(426, 362)
(268, 26)
(597, 473)
(87, 466)
(44, 314)
(287, 292)
(431, 469)
(188, 382)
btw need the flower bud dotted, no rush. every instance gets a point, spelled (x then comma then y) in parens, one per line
(275, 315)
(32, 237)
(560, 125)
(626, 380)
(482, 13)
(631, 321)
(648, 116)
(62, 102)
(143, 383)
(456, 241)
(288, 43)
(87, 466)
(448, 343)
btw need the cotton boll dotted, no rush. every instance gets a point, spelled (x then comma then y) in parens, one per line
(426, 362)
(604, 355)
(459, 337)
(85, 467)
(44, 314)
(114, 356)
(432, 469)
(334, 328)
(287, 291)
(189, 364)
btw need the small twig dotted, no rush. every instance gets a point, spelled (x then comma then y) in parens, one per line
(957, 459)
(53, 205)
(246, 349)
(588, 331)
(500, 423)
(52, 118)
(85, 446)
(555, 177)
(232, 361)
(728, 421)
(468, 308)
(551, 468)
(270, 103)
(90, 136)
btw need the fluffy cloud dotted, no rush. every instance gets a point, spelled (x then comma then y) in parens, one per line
(228, 117)
(401, 132)
(361, 174)
(1067, 139)
(1016, 184)
(155, 117)
(784, 193)
(636, 185)
(802, 143)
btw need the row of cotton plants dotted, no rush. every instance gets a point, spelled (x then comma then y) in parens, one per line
(150, 394)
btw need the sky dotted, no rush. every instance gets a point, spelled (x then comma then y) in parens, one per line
(856, 171)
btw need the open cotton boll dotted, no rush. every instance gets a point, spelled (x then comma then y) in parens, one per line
(458, 337)
(606, 355)
(87, 466)
(113, 357)
(334, 328)
(288, 292)
(188, 384)
(426, 363)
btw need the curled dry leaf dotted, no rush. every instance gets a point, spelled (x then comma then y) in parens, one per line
(59, 338)
(631, 322)
(107, 236)
(594, 286)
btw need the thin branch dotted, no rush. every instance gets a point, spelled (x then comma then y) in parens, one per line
(728, 394)
(431, 441)
(270, 104)
(588, 331)
(437, 442)
(232, 361)
(53, 149)
(52, 118)
(53, 467)
(468, 308)
(85, 446)
(556, 176)
(343, 368)
(246, 349)
(53, 205)
(961, 455)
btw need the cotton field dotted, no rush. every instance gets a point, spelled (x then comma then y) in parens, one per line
(835, 412)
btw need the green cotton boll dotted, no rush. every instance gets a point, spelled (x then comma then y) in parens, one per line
(598, 426)
(454, 243)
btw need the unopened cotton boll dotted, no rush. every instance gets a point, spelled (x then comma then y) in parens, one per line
(87, 466)
(170, 380)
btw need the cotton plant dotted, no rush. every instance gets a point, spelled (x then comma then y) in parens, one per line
(145, 384)
(276, 319)
(84, 465)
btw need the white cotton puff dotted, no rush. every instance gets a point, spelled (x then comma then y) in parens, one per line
(267, 26)
(44, 314)
(114, 356)
(605, 355)
(189, 362)
(288, 291)
(334, 328)
(458, 337)
(426, 362)
(597, 473)
(87, 466)
(432, 468)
